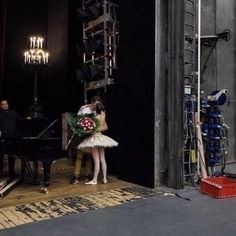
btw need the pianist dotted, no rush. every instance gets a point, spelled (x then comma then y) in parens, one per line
(8, 123)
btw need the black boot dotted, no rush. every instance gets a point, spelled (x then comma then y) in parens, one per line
(11, 167)
(1, 165)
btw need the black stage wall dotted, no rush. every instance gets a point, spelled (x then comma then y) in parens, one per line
(3, 16)
(57, 87)
(136, 86)
(50, 20)
(24, 19)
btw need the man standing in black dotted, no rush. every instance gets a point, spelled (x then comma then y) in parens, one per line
(8, 122)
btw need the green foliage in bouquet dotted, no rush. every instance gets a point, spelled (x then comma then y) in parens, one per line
(82, 125)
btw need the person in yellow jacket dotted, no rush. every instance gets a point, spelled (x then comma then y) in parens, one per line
(83, 155)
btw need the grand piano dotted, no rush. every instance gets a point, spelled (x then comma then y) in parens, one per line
(40, 140)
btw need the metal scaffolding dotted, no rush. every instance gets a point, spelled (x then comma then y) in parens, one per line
(101, 38)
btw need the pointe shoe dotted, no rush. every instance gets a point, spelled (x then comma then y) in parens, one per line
(104, 181)
(91, 182)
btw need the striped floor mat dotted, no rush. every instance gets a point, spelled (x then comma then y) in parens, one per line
(22, 214)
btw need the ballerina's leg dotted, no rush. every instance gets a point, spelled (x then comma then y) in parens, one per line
(95, 154)
(104, 164)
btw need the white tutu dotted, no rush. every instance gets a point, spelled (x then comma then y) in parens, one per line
(97, 140)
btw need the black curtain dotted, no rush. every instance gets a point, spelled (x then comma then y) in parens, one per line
(49, 19)
(136, 86)
(3, 14)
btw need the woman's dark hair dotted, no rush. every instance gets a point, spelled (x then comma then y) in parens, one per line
(99, 108)
(96, 99)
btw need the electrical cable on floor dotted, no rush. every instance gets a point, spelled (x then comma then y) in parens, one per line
(185, 198)
(177, 195)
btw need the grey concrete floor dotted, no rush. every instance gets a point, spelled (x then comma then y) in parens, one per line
(231, 168)
(160, 215)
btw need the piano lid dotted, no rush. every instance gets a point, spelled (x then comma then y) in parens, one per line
(40, 129)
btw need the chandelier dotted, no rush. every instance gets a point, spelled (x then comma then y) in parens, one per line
(36, 54)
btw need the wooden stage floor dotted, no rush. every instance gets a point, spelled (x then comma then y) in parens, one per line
(62, 170)
(25, 204)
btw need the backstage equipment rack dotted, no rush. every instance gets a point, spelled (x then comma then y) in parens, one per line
(196, 142)
(214, 131)
(101, 38)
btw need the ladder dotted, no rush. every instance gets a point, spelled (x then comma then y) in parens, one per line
(190, 25)
(190, 42)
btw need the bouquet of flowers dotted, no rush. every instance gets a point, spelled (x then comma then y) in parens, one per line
(82, 125)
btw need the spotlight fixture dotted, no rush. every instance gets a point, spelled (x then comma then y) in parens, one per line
(84, 15)
(96, 72)
(90, 12)
(79, 51)
(93, 45)
(96, 10)
(82, 74)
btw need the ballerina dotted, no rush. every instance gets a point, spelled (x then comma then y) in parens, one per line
(97, 142)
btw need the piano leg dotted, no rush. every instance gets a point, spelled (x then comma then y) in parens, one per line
(46, 175)
(1, 164)
(46, 172)
(35, 171)
(23, 168)
(25, 165)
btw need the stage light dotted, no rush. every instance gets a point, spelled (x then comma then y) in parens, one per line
(82, 74)
(96, 10)
(84, 15)
(88, 2)
(93, 45)
(96, 72)
(90, 73)
(79, 51)
(91, 12)
(97, 45)
(87, 47)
